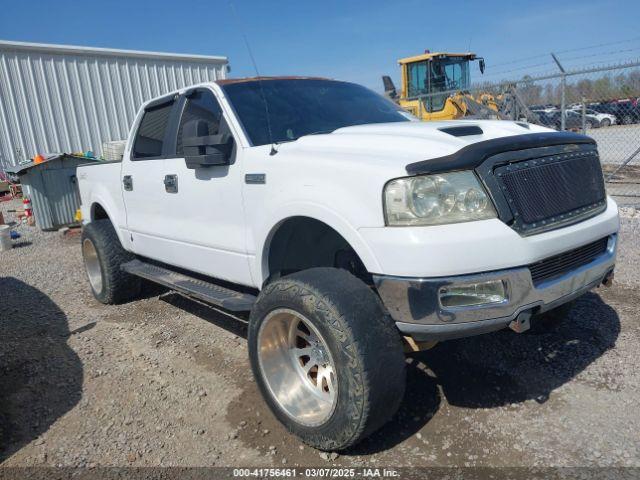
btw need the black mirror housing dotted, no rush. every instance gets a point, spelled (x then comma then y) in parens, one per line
(204, 150)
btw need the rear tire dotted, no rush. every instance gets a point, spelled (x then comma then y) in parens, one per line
(605, 122)
(349, 335)
(103, 255)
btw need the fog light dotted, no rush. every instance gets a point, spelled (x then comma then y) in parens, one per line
(469, 294)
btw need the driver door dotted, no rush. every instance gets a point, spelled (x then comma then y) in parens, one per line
(207, 228)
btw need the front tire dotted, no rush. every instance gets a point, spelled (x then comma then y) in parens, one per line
(103, 255)
(327, 357)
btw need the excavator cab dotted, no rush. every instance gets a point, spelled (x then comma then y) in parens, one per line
(432, 74)
(431, 82)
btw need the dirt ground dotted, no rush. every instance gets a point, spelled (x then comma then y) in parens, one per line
(165, 381)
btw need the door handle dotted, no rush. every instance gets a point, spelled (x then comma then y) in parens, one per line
(171, 183)
(127, 183)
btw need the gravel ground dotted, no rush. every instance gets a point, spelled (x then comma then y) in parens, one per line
(164, 381)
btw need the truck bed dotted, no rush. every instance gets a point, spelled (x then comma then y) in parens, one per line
(100, 183)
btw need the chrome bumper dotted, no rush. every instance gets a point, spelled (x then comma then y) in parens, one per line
(414, 302)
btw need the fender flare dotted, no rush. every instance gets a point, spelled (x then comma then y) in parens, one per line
(108, 206)
(260, 269)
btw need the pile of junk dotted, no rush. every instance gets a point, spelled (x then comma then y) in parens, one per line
(48, 188)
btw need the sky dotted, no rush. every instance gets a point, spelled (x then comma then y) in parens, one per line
(355, 40)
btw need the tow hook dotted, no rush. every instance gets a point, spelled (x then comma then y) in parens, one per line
(608, 279)
(521, 322)
(411, 346)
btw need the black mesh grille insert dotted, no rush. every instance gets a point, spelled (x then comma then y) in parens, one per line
(548, 191)
(565, 262)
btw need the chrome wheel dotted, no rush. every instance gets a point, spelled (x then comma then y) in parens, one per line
(297, 367)
(92, 265)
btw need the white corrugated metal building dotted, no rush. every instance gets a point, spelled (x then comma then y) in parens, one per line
(59, 98)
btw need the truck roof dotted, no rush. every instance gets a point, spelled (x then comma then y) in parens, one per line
(230, 81)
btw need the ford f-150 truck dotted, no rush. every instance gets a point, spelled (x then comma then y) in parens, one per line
(349, 230)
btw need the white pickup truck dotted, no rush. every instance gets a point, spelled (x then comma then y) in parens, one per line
(349, 230)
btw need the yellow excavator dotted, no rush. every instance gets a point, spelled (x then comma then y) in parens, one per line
(435, 86)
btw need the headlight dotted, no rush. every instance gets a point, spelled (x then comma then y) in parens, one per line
(436, 199)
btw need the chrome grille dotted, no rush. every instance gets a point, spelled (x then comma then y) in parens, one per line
(565, 262)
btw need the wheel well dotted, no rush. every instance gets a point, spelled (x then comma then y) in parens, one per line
(301, 243)
(98, 213)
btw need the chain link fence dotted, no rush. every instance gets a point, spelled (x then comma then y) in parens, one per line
(602, 102)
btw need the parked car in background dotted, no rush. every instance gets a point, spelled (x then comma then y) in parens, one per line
(554, 120)
(607, 108)
(628, 112)
(590, 121)
(625, 112)
(544, 108)
(546, 119)
(605, 119)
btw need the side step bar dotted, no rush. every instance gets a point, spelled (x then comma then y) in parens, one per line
(192, 287)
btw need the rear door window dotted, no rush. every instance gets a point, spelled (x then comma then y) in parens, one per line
(150, 138)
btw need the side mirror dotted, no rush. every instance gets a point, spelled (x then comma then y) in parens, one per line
(202, 149)
(481, 65)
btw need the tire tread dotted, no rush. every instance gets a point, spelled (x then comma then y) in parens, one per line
(118, 285)
(369, 339)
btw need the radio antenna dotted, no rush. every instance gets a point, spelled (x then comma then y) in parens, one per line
(259, 78)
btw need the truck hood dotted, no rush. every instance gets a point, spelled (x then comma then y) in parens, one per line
(407, 141)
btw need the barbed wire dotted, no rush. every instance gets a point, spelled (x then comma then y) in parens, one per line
(570, 59)
(613, 52)
(597, 67)
(598, 46)
(542, 55)
(512, 62)
(525, 67)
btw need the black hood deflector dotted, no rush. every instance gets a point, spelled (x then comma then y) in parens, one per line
(474, 154)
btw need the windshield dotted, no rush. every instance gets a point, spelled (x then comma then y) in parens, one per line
(299, 107)
(430, 77)
(438, 75)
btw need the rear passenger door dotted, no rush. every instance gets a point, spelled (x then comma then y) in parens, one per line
(142, 178)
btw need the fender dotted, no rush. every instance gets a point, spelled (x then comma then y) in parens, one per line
(264, 233)
(102, 197)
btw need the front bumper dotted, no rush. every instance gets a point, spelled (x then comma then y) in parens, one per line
(414, 302)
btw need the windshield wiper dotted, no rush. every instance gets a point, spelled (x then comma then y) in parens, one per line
(319, 132)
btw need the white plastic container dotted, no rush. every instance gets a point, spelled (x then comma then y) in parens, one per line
(5, 238)
(113, 151)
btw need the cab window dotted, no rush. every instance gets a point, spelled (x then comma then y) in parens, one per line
(149, 141)
(417, 73)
